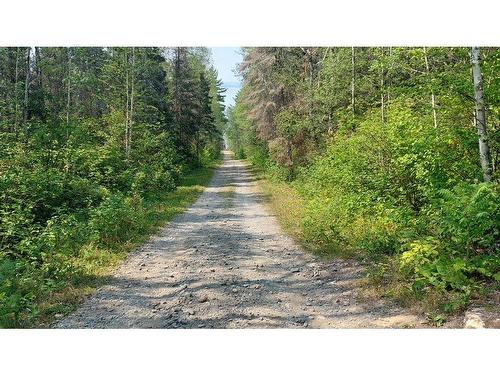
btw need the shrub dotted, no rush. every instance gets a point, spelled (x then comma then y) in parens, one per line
(116, 220)
(405, 190)
(19, 286)
(468, 218)
(152, 179)
(240, 153)
(418, 254)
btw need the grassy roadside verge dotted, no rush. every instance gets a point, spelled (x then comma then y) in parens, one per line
(93, 264)
(289, 207)
(285, 202)
(383, 279)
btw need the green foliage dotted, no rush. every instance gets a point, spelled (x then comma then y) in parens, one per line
(240, 154)
(400, 189)
(419, 255)
(468, 217)
(75, 249)
(116, 220)
(81, 181)
(378, 179)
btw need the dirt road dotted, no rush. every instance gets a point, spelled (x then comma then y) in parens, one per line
(226, 263)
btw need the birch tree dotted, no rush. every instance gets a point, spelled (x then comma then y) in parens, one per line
(68, 91)
(382, 86)
(127, 108)
(16, 75)
(26, 86)
(433, 97)
(352, 82)
(484, 149)
(131, 112)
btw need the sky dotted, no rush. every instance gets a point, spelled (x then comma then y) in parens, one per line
(225, 60)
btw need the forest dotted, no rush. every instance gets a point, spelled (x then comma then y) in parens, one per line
(94, 143)
(384, 154)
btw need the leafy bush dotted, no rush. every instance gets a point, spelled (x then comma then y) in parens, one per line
(418, 254)
(63, 193)
(404, 190)
(468, 218)
(153, 179)
(116, 220)
(240, 154)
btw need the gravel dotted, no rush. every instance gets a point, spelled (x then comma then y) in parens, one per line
(240, 248)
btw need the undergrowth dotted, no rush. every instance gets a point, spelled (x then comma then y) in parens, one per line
(33, 294)
(430, 239)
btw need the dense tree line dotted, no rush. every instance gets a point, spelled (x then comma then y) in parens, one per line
(382, 145)
(87, 135)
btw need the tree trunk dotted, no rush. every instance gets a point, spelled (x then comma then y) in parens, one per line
(26, 87)
(382, 104)
(310, 62)
(382, 88)
(68, 96)
(16, 100)
(433, 98)
(127, 105)
(176, 106)
(389, 76)
(39, 75)
(131, 114)
(352, 83)
(484, 149)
